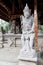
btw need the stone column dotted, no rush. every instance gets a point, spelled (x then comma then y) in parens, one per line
(1, 38)
(12, 21)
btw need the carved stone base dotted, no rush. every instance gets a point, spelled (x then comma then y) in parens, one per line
(1, 46)
(28, 55)
(34, 59)
(26, 60)
(27, 63)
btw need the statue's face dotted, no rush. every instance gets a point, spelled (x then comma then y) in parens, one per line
(26, 14)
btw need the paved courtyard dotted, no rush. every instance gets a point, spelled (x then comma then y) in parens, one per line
(8, 55)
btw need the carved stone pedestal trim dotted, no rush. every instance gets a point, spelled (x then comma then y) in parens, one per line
(28, 59)
(27, 63)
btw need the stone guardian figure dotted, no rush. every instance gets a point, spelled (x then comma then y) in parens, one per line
(27, 38)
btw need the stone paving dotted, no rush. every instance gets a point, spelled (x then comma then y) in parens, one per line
(7, 63)
(8, 55)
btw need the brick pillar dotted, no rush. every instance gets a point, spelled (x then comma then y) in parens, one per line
(36, 25)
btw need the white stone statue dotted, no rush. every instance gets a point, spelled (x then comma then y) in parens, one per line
(12, 27)
(10, 32)
(27, 38)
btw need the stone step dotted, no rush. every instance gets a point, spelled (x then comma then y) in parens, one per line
(8, 63)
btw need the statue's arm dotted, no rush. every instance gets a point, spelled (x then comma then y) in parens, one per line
(21, 19)
(32, 29)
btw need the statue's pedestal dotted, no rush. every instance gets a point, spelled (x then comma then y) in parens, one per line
(28, 59)
(29, 62)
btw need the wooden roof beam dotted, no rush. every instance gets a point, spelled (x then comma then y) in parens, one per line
(5, 13)
(15, 16)
(20, 4)
(5, 7)
(13, 7)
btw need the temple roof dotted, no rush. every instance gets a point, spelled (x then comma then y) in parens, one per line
(15, 7)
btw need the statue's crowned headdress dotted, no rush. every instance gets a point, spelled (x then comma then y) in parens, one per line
(26, 9)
